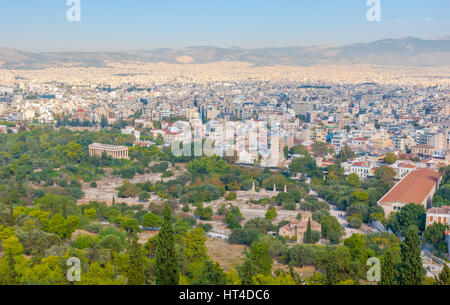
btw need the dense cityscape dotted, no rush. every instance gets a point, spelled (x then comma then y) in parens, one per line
(308, 177)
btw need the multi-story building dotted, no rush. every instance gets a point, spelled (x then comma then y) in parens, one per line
(302, 108)
(381, 143)
(423, 150)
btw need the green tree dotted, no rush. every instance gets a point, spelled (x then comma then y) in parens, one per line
(111, 242)
(444, 276)
(271, 214)
(11, 277)
(130, 224)
(159, 140)
(233, 277)
(260, 257)
(411, 271)
(388, 270)
(385, 175)
(358, 250)
(300, 255)
(345, 154)
(308, 239)
(211, 274)
(353, 180)
(434, 234)
(194, 245)
(246, 272)
(233, 218)
(135, 273)
(332, 229)
(319, 149)
(144, 196)
(410, 214)
(57, 225)
(166, 261)
(72, 223)
(286, 152)
(103, 122)
(355, 222)
(390, 158)
(90, 213)
(231, 196)
(331, 270)
(151, 220)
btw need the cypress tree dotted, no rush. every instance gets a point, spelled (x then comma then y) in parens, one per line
(135, 274)
(166, 266)
(11, 215)
(247, 271)
(444, 276)
(388, 270)
(12, 277)
(411, 270)
(308, 234)
(331, 270)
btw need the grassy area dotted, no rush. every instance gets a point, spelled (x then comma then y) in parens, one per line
(225, 254)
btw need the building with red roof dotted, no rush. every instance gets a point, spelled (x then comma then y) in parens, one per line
(417, 187)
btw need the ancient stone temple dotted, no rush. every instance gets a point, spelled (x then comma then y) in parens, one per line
(115, 151)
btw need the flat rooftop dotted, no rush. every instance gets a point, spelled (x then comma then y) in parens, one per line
(107, 146)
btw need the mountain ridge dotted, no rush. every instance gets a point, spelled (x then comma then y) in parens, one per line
(410, 51)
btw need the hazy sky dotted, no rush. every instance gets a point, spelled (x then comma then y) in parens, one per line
(110, 25)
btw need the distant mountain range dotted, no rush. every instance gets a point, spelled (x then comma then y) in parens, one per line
(405, 51)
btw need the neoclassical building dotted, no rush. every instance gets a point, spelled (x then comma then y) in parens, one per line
(438, 215)
(115, 151)
(418, 187)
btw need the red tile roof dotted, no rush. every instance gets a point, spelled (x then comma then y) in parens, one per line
(170, 133)
(405, 156)
(414, 188)
(407, 166)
